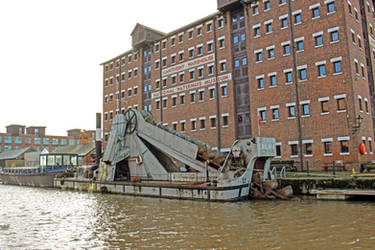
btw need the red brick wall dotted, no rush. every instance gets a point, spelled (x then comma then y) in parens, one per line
(315, 126)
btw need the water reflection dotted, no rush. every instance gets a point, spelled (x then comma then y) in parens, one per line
(40, 218)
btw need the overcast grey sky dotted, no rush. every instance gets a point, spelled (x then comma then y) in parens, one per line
(51, 50)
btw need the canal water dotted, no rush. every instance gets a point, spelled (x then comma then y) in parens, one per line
(32, 218)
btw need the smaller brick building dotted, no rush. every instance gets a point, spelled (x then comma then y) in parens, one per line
(20, 136)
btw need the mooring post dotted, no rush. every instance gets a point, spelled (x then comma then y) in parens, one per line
(333, 168)
(207, 175)
(307, 168)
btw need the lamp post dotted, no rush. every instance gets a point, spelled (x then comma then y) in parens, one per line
(358, 122)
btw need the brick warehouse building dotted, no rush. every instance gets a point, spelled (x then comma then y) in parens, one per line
(20, 136)
(299, 71)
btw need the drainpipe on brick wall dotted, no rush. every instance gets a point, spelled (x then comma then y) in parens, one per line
(246, 4)
(217, 90)
(296, 84)
(160, 82)
(119, 87)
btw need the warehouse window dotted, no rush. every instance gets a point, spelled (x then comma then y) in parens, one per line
(366, 106)
(268, 27)
(192, 97)
(225, 120)
(261, 114)
(46, 141)
(256, 31)
(315, 12)
(324, 105)
(212, 93)
(221, 23)
(327, 148)
(202, 123)
(190, 34)
(305, 109)
(213, 121)
(273, 81)
(284, 22)
(200, 72)
(299, 45)
(275, 114)
(297, 18)
(158, 104)
(331, 7)
(267, 5)
(224, 91)
(356, 66)
(318, 40)
(192, 74)
(258, 56)
(209, 27)
(356, 13)
(181, 55)
(260, 81)
(278, 150)
(173, 41)
(191, 52)
(341, 103)
(286, 49)
(223, 66)
(199, 31)
(363, 70)
(370, 144)
(210, 69)
(321, 70)
(193, 124)
(182, 77)
(201, 95)
(288, 77)
(293, 149)
(182, 125)
(302, 74)
(221, 43)
(336, 65)
(360, 104)
(271, 53)
(291, 111)
(255, 9)
(37, 140)
(182, 99)
(200, 50)
(209, 47)
(344, 145)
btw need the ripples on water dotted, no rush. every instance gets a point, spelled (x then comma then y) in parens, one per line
(51, 219)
